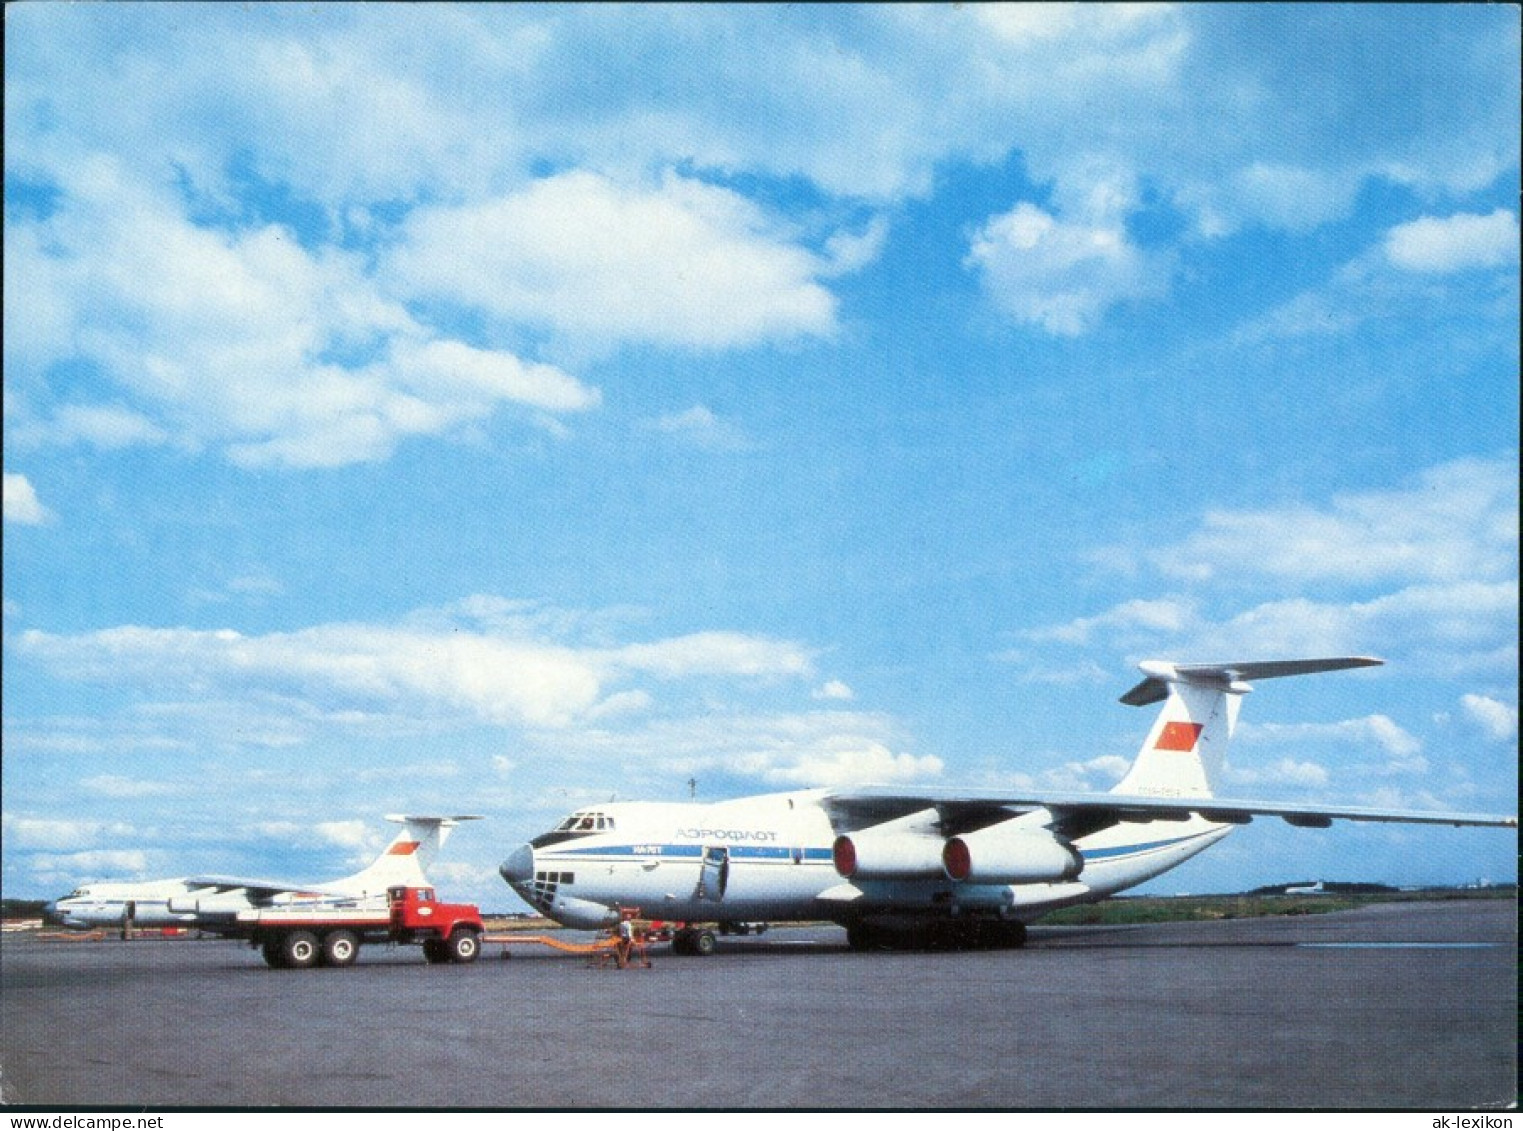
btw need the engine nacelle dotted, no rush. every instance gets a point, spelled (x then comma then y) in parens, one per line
(1010, 853)
(888, 856)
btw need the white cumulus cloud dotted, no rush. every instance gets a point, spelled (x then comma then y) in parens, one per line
(1460, 242)
(682, 263)
(700, 427)
(118, 863)
(715, 653)
(1060, 276)
(336, 670)
(1497, 719)
(59, 833)
(848, 762)
(1402, 751)
(1285, 771)
(1150, 616)
(1454, 522)
(115, 785)
(834, 689)
(348, 834)
(1097, 773)
(244, 340)
(1423, 574)
(21, 504)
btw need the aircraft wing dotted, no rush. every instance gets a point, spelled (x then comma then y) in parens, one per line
(1082, 813)
(258, 889)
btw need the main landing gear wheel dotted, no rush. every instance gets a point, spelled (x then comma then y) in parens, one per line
(341, 948)
(299, 950)
(691, 942)
(463, 946)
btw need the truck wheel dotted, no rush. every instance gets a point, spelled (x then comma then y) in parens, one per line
(340, 948)
(299, 949)
(270, 949)
(703, 943)
(434, 950)
(464, 946)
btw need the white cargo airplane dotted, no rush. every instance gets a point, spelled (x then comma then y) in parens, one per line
(211, 903)
(938, 866)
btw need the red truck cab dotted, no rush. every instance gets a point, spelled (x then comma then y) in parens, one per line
(449, 932)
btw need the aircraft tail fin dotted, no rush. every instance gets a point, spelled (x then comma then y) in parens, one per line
(1184, 750)
(407, 858)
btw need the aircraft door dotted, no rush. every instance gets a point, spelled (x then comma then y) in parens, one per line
(714, 872)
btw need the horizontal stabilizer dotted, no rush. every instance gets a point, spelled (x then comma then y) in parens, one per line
(1229, 677)
(402, 819)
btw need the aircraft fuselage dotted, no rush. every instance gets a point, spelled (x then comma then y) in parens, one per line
(152, 903)
(770, 858)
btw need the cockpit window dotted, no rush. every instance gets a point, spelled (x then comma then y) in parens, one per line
(584, 822)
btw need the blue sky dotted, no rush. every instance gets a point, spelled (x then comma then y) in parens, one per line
(495, 409)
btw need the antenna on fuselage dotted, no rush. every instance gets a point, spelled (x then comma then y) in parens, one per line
(692, 788)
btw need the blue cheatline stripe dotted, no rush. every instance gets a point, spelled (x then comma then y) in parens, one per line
(683, 851)
(810, 855)
(1131, 849)
(693, 850)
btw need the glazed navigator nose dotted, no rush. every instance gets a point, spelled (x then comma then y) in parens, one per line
(519, 867)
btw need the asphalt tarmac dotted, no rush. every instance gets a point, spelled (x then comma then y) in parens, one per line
(1396, 1006)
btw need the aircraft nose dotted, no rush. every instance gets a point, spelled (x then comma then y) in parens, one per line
(519, 867)
(54, 916)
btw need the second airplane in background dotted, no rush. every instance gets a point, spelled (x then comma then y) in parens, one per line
(212, 903)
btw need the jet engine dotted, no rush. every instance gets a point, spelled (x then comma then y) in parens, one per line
(1010, 853)
(888, 856)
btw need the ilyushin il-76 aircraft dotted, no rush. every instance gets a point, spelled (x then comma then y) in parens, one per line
(942, 867)
(212, 903)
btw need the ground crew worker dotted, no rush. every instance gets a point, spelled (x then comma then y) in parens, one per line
(626, 941)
